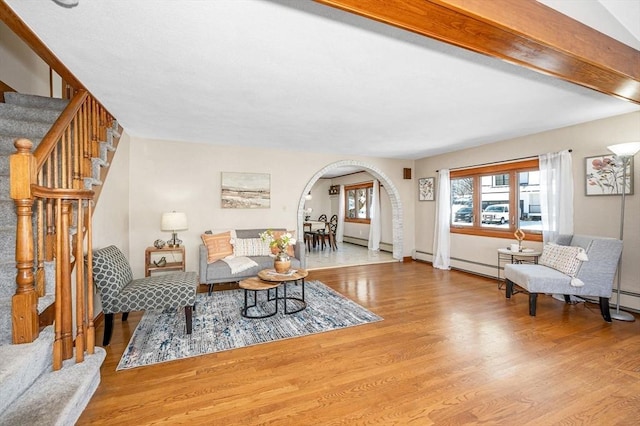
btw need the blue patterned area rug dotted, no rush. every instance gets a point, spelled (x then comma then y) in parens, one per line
(218, 325)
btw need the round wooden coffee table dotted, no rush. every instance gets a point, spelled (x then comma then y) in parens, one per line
(255, 284)
(297, 275)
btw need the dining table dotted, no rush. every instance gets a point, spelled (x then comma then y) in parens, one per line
(315, 225)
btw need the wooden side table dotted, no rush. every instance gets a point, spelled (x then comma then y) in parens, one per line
(255, 284)
(270, 275)
(173, 264)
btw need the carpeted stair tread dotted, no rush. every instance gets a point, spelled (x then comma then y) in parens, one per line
(35, 101)
(24, 128)
(45, 301)
(7, 278)
(20, 112)
(58, 397)
(21, 365)
(7, 214)
(4, 165)
(7, 143)
(5, 188)
(5, 325)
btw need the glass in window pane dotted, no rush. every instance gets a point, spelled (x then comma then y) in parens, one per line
(529, 201)
(351, 204)
(495, 202)
(361, 197)
(462, 201)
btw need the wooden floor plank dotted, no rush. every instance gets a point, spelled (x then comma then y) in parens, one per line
(450, 350)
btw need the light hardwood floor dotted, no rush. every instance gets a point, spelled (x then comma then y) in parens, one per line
(451, 350)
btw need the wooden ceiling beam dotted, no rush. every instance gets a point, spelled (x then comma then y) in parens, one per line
(523, 32)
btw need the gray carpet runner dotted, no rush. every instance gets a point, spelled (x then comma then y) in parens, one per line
(30, 392)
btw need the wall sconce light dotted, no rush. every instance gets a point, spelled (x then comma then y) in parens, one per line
(173, 222)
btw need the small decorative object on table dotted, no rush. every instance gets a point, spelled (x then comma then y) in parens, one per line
(519, 234)
(282, 261)
(158, 244)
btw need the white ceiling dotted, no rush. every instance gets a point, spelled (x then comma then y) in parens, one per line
(298, 75)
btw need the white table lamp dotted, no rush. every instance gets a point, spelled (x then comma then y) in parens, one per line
(173, 222)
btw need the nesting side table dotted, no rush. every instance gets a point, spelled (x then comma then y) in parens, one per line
(505, 255)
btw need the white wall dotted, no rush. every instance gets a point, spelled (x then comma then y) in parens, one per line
(593, 215)
(22, 69)
(170, 175)
(111, 215)
(320, 201)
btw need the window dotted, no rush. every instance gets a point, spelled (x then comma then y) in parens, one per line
(358, 202)
(496, 200)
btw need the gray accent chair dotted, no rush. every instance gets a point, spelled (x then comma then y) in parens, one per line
(597, 273)
(120, 292)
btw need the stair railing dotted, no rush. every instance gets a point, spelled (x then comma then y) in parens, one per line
(54, 181)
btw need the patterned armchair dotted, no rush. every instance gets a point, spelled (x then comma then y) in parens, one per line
(120, 292)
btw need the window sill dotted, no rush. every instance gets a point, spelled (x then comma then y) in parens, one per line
(494, 233)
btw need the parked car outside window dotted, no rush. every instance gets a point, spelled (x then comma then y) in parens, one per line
(464, 214)
(496, 213)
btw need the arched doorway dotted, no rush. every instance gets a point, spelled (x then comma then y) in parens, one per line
(392, 191)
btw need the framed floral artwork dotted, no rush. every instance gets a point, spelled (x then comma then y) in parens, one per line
(426, 189)
(604, 176)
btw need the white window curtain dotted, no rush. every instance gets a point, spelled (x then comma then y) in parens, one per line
(375, 223)
(441, 240)
(340, 228)
(556, 194)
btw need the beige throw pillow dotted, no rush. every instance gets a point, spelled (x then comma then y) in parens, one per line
(250, 247)
(566, 259)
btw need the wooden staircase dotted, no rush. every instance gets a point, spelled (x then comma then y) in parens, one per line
(47, 235)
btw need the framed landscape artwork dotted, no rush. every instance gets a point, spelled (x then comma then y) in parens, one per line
(246, 190)
(604, 174)
(426, 189)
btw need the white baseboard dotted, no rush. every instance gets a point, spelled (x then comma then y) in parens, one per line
(386, 247)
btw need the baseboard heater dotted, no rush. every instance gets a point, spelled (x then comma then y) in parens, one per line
(386, 247)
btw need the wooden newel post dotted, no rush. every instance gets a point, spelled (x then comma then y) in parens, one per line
(24, 313)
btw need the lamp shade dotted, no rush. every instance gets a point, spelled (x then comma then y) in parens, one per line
(628, 149)
(174, 221)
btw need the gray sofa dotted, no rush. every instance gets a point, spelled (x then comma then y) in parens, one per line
(219, 272)
(596, 274)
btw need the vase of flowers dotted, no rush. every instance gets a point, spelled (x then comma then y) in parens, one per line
(282, 261)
